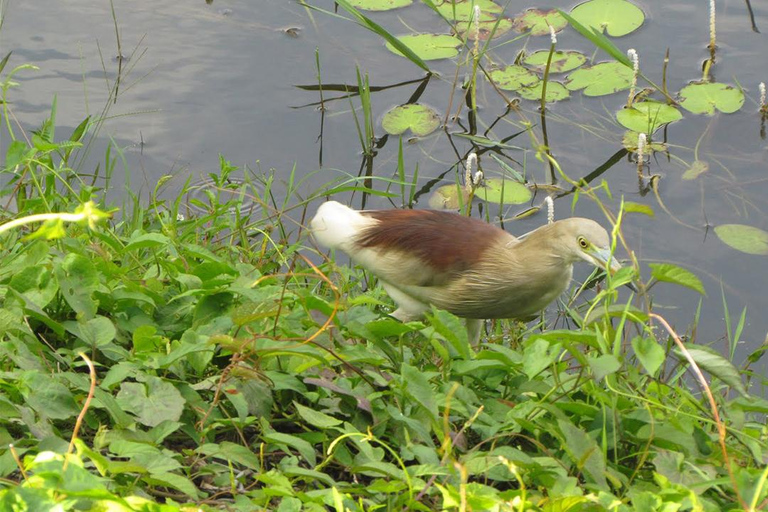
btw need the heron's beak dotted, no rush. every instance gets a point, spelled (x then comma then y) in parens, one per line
(603, 259)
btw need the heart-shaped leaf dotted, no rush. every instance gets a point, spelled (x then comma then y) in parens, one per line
(600, 79)
(448, 197)
(555, 91)
(430, 46)
(616, 17)
(420, 119)
(705, 98)
(463, 10)
(499, 190)
(629, 140)
(487, 27)
(648, 116)
(561, 61)
(743, 238)
(697, 168)
(538, 21)
(514, 77)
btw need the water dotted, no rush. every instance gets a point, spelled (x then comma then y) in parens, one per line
(200, 80)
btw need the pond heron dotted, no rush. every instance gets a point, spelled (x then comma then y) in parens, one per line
(461, 264)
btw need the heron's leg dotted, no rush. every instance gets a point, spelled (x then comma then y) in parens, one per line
(474, 328)
(408, 308)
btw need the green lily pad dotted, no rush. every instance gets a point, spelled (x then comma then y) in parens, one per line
(538, 21)
(499, 190)
(705, 98)
(647, 116)
(430, 46)
(561, 61)
(630, 143)
(697, 168)
(555, 91)
(379, 5)
(600, 79)
(463, 10)
(447, 197)
(420, 119)
(514, 77)
(743, 238)
(466, 29)
(616, 17)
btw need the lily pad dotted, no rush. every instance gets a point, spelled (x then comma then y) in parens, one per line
(514, 77)
(616, 17)
(447, 197)
(697, 168)
(379, 5)
(630, 143)
(499, 190)
(743, 238)
(464, 10)
(430, 46)
(467, 28)
(420, 119)
(555, 91)
(538, 21)
(561, 61)
(647, 116)
(706, 97)
(600, 79)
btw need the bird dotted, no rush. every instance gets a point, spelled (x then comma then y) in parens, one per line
(461, 264)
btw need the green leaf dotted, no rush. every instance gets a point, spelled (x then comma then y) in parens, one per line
(555, 92)
(744, 238)
(300, 445)
(514, 77)
(96, 332)
(647, 116)
(600, 79)
(718, 366)
(231, 452)
(429, 46)
(316, 418)
(616, 17)
(538, 21)
(47, 396)
(78, 279)
(598, 39)
(538, 355)
(501, 191)
(629, 141)
(451, 328)
(420, 119)
(584, 452)
(673, 274)
(152, 402)
(606, 364)
(561, 61)
(706, 97)
(379, 5)
(147, 240)
(649, 353)
(488, 28)
(463, 10)
(447, 197)
(632, 207)
(416, 384)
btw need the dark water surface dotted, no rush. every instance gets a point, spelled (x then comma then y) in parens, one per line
(220, 78)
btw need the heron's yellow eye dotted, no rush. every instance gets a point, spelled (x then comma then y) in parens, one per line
(583, 242)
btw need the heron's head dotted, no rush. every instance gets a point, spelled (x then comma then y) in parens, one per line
(585, 239)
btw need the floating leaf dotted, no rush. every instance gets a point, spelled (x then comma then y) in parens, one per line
(430, 46)
(648, 116)
(514, 77)
(705, 98)
(743, 238)
(630, 142)
(561, 61)
(463, 10)
(632, 207)
(447, 197)
(600, 79)
(487, 27)
(379, 5)
(616, 17)
(499, 190)
(420, 119)
(673, 274)
(697, 168)
(539, 21)
(555, 91)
